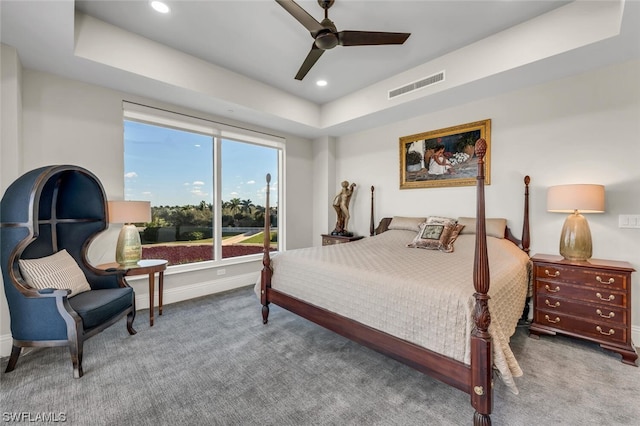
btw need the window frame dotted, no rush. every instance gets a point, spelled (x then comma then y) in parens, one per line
(218, 131)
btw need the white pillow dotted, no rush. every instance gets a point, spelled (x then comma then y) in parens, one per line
(495, 226)
(406, 223)
(59, 271)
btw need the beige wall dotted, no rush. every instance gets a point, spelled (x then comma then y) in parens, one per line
(70, 122)
(583, 129)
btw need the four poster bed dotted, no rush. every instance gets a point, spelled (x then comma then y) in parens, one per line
(429, 309)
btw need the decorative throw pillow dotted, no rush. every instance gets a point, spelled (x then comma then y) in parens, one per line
(440, 220)
(455, 231)
(495, 226)
(406, 223)
(59, 271)
(436, 237)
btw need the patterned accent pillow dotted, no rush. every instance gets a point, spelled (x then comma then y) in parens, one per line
(406, 223)
(440, 220)
(436, 237)
(59, 271)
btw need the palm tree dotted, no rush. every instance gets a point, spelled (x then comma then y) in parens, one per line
(234, 205)
(258, 214)
(246, 206)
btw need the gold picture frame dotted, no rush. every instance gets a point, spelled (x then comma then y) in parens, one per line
(453, 164)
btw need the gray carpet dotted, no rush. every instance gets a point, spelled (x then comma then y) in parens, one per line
(211, 361)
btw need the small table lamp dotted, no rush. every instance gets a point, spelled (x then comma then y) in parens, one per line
(129, 247)
(575, 240)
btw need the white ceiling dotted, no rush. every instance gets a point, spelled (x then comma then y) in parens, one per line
(262, 44)
(262, 41)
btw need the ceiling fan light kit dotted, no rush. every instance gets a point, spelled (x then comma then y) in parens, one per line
(326, 36)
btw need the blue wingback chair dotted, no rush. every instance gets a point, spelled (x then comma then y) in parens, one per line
(44, 211)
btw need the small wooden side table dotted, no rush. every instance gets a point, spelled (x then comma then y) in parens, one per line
(328, 239)
(143, 267)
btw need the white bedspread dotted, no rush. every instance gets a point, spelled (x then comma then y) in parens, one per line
(422, 296)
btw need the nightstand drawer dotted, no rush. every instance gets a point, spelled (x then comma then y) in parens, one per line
(586, 276)
(328, 240)
(587, 294)
(610, 314)
(600, 330)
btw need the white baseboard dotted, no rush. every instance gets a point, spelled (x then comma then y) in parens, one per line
(191, 291)
(5, 344)
(171, 295)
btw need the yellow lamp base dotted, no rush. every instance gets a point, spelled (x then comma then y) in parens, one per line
(129, 247)
(575, 239)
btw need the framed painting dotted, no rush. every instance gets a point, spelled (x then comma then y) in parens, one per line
(444, 157)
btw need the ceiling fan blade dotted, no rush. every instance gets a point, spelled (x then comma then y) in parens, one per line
(368, 38)
(309, 61)
(309, 22)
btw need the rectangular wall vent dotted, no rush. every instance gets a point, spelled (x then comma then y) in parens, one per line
(420, 84)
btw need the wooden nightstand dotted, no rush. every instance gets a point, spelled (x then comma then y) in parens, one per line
(586, 299)
(328, 239)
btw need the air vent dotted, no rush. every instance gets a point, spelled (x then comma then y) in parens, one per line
(420, 84)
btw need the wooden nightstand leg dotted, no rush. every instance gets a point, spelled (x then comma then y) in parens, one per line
(629, 356)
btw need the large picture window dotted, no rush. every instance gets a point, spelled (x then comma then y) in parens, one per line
(207, 191)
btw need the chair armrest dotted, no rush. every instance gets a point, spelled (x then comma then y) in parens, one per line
(53, 292)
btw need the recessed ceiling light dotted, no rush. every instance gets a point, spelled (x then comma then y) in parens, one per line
(321, 83)
(160, 7)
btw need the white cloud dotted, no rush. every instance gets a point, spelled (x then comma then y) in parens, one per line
(251, 182)
(198, 183)
(131, 175)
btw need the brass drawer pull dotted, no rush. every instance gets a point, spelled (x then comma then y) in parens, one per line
(554, 305)
(611, 314)
(608, 333)
(557, 289)
(608, 299)
(557, 320)
(611, 280)
(549, 274)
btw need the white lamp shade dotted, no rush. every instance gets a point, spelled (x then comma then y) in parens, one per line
(585, 198)
(129, 211)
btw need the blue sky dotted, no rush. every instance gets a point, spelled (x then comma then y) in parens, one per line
(175, 167)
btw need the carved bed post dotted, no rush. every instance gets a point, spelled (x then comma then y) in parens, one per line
(372, 228)
(265, 277)
(481, 347)
(526, 238)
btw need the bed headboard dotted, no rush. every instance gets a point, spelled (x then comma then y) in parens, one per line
(523, 243)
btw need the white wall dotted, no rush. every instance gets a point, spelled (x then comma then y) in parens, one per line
(70, 122)
(583, 129)
(10, 149)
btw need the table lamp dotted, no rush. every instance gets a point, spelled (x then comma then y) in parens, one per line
(129, 247)
(575, 239)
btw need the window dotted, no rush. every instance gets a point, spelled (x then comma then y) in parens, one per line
(206, 185)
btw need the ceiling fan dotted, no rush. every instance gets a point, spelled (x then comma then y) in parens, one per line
(326, 36)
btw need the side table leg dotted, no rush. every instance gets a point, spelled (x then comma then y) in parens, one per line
(151, 285)
(160, 290)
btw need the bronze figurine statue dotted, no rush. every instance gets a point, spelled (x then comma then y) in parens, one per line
(341, 205)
